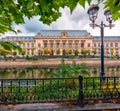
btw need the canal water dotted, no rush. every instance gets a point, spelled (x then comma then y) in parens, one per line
(47, 72)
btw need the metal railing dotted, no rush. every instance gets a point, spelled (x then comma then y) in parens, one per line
(59, 89)
(92, 88)
(38, 90)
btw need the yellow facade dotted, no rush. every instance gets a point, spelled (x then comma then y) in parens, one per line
(54, 40)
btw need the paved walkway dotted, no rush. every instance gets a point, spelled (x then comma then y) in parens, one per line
(59, 107)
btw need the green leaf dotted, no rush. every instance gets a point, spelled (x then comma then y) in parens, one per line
(72, 4)
(89, 1)
(82, 2)
(30, 4)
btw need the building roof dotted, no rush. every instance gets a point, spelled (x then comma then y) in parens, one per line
(19, 38)
(106, 38)
(58, 33)
(70, 33)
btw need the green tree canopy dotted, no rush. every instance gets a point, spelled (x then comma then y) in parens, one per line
(84, 52)
(10, 46)
(14, 11)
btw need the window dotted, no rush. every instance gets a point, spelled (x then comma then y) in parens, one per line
(94, 44)
(98, 44)
(82, 44)
(51, 45)
(23, 44)
(27, 44)
(28, 51)
(32, 52)
(63, 45)
(70, 45)
(39, 44)
(58, 45)
(116, 44)
(88, 44)
(76, 44)
(106, 44)
(45, 44)
(111, 44)
(32, 45)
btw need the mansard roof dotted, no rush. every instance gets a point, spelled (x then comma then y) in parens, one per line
(19, 38)
(58, 33)
(70, 33)
(106, 38)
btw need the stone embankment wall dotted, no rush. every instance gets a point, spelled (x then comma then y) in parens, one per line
(56, 62)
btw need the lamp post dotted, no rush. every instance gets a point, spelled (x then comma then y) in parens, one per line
(93, 12)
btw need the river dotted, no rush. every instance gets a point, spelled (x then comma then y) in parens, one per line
(47, 72)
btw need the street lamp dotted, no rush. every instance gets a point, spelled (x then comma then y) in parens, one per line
(93, 12)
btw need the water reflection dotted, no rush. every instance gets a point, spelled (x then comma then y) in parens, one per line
(45, 72)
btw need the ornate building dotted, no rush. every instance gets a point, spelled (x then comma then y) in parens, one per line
(63, 40)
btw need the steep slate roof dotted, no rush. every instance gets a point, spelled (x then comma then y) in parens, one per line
(70, 33)
(106, 37)
(19, 38)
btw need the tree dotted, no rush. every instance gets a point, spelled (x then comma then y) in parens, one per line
(4, 52)
(68, 51)
(48, 10)
(84, 52)
(10, 46)
(40, 52)
(23, 52)
(112, 51)
(58, 51)
(76, 52)
(47, 51)
(20, 43)
(94, 52)
(14, 53)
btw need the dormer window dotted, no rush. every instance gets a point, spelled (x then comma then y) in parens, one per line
(64, 34)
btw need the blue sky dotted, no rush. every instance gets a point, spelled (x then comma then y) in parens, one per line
(78, 20)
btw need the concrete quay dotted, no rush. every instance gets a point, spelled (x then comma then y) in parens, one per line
(56, 62)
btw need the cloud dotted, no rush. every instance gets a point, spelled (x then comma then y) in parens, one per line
(34, 25)
(78, 20)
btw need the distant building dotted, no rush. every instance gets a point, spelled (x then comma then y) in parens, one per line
(62, 40)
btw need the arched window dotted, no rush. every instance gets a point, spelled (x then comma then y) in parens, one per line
(82, 44)
(39, 45)
(64, 45)
(45, 44)
(51, 45)
(70, 45)
(58, 45)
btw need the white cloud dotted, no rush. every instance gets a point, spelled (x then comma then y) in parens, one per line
(78, 20)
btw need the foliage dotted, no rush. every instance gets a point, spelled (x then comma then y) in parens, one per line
(70, 70)
(114, 6)
(14, 53)
(14, 11)
(39, 91)
(68, 51)
(40, 52)
(94, 52)
(10, 46)
(112, 51)
(20, 42)
(23, 52)
(4, 51)
(76, 52)
(58, 51)
(84, 51)
(47, 51)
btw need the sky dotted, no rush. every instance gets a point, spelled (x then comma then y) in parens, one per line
(78, 20)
